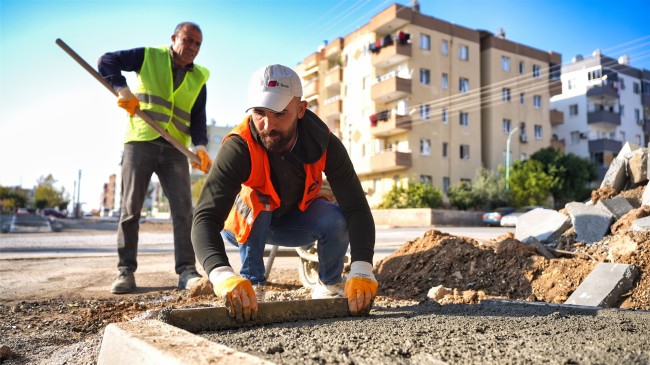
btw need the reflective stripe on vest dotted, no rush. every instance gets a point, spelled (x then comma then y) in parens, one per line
(170, 108)
(257, 193)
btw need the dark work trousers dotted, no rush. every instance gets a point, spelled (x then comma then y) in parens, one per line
(139, 162)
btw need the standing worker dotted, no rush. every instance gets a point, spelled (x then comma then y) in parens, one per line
(269, 170)
(172, 92)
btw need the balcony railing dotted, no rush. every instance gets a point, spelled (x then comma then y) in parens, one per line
(391, 55)
(557, 117)
(604, 118)
(390, 161)
(393, 124)
(603, 91)
(605, 145)
(331, 109)
(333, 78)
(391, 88)
(310, 88)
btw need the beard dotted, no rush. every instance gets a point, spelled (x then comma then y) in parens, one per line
(274, 144)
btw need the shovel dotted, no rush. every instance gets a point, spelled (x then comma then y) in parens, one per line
(194, 158)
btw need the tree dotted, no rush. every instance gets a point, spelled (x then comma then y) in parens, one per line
(197, 187)
(571, 173)
(46, 191)
(12, 199)
(530, 184)
(415, 195)
(487, 191)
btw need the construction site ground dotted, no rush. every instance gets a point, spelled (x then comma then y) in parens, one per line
(56, 309)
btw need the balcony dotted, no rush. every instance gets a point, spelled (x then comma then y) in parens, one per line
(333, 78)
(333, 49)
(390, 89)
(310, 88)
(391, 19)
(395, 124)
(331, 109)
(645, 100)
(390, 161)
(604, 118)
(391, 55)
(603, 91)
(557, 117)
(605, 145)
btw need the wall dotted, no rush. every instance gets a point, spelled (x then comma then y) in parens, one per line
(425, 217)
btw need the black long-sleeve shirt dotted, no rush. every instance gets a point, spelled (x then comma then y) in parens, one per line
(232, 167)
(111, 65)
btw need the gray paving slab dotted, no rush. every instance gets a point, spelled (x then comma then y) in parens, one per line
(616, 175)
(544, 225)
(618, 206)
(604, 286)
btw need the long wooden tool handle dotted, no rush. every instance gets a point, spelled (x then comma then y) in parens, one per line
(194, 158)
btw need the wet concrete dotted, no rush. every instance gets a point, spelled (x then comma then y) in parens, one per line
(492, 332)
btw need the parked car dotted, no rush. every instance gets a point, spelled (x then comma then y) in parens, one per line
(22, 211)
(494, 218)
(510, 220)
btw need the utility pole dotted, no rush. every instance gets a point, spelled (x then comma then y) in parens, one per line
(508, 158)
(77, 208)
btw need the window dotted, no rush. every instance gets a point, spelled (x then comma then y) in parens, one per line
(505, 63)
(636, 87)
(444, 82)
(444, 116)
(637, 116)
(464, 119)
(425, 41)
(425, 77)
(425, 147)
(594, 74)
(445, 149)
(638, 139)
(536, 71)
(505, 94)
(464, 152)
(575, 137)
(445, 184)
(426, 180)
(463, 85)
(621, 110)
(537, 101)
(444, 47)
(538, 131)
(463, 52)
(573, 109)
(522, 98)
(623, 136)
(506, 124)
(522, 68)
(424, 111)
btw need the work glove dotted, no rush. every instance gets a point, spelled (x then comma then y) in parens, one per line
(360, 288)
(127, 101)
(236, 292)
(206, 163)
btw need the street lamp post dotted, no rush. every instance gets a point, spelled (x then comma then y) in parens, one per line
(508, 158)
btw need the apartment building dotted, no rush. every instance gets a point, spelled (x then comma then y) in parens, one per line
(605, 103)
(416, 98)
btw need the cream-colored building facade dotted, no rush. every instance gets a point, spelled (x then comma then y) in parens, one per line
(416, 98)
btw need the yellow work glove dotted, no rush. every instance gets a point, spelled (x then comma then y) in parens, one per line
(360, 288)
(236, 292)
(126, 100)
(206, 162)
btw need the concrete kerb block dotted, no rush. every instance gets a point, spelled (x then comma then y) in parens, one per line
(590, 222)
(645, 197)
(544, 225)
(640, 225)
(617, 206)
(637, 166)
(616, 175)
(154, 342)
(604, 286)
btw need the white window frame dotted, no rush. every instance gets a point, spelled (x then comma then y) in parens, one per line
(425, 147)
(505, 94)
(424, 112)
(444, 47)
(463, 119)
(425, 76)
(464, 152)
(536, 71)
(463, 85)
(506, 125)
(537, 101)
(444, 81)
(463, 52)
(505, 63)
(538, 131)
(425, 42)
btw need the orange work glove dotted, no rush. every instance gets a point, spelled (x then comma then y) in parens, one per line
(236, 292)
(360, 288)
(206, 163)
(126, 100)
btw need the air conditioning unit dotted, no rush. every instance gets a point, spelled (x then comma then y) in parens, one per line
(523, 138)
(583, 135)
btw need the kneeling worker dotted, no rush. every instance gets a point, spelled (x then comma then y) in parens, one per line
(263, 189)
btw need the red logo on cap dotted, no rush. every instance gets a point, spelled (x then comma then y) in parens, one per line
(273, 83)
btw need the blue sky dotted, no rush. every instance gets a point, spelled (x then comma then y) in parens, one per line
(56, 119)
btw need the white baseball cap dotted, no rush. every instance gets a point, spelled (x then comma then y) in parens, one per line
(273, 87)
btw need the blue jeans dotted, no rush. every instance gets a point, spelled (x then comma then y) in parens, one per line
(322, 221)
(139, 162)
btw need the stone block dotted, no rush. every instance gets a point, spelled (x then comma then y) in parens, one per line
(617, 206)
(616, 175)
(637, 166)
(544, 225)
(590, 222)
(604, 286)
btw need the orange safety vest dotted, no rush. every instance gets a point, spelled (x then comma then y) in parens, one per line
(257, 193)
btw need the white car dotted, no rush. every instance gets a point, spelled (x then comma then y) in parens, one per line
(510, 220)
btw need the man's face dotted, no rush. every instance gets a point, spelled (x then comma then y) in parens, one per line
(277, 130)
(186, 44)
